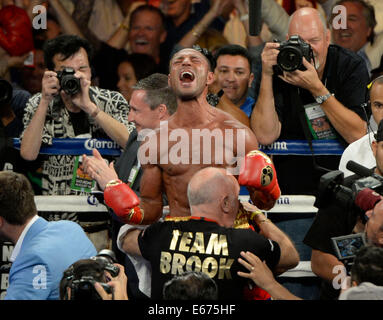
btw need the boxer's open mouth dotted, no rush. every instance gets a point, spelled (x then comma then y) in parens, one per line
(186, 76)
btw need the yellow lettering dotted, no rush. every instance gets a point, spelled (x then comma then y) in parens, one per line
(224, 268)
(179, 261)
(185, 241)
(193, 260)
(199, 244)
(165, 260)
(217, 245)
(210, 267)
(173, 243)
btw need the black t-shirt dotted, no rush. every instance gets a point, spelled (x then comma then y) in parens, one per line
(333, 220)
(173, 247)
(80, 122)
(345, 75)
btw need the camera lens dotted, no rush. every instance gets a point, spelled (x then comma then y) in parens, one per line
(70, 85)
(289, 58)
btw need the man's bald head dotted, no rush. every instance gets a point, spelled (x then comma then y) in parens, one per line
(211, 192)
(311, 26)
(305, 15)
(206, 184)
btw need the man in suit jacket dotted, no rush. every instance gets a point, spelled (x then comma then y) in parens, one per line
(152, 101)
(43, 250)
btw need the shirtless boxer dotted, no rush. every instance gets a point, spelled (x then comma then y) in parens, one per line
(170, 170)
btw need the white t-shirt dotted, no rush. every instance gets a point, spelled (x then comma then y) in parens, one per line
(359, 151)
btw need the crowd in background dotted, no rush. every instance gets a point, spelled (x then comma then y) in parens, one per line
(119, 47)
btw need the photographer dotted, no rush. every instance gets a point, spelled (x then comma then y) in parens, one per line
(336, 219)
(68, 107)
(326, 92)
(94, 279)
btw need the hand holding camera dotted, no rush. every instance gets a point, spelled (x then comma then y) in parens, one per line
(292, 61)
(118, 285)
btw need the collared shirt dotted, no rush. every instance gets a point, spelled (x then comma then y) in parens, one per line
(247, 106)
(19, 242)
(362, 53)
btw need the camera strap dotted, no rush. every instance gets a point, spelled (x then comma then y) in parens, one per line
(296, 103)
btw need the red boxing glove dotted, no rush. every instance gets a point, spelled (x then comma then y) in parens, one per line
(123, 201)
(258, 173)
(15, 31)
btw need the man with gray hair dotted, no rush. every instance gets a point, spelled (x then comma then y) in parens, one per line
(359, 31)
(206, 241)
(319, 100)
(152, 101)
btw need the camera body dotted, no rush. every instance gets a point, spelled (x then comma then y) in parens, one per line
(83, 289)
(346, 247)
(107, 259)
(331, 187)
(68, 82)
(81, 276)
(291, 53)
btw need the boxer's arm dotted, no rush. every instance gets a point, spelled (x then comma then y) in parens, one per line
(151, 193)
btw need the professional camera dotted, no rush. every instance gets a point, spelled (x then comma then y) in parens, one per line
(6, 92)
(107, 258)
(68, 82)
(292, 51)
(346, 247)
(81, 276)
(332, 186)
(83, 289)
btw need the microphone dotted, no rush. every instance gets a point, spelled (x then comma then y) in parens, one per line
(367, 198)
(359, 169)
(255, 20)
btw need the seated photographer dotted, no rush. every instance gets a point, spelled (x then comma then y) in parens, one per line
(360, 150)
(337, 218)
(324, 87)
(68, 107)
(89, 279)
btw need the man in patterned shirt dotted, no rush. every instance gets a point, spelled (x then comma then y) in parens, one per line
(91, 112)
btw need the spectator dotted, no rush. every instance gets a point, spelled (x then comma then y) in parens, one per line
(36, 272)
(152, 101)
(145, 34)
(213, 199)
(360, 28)
(55, 114)
(366, 275)
(335, 219)
(360, 150)
(132, 68)
(31, 77)
(190, 285)
(12, 104)
(234, 76)
(275, 116)
(187, 22)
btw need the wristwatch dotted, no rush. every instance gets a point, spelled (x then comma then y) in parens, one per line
(321, 99)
